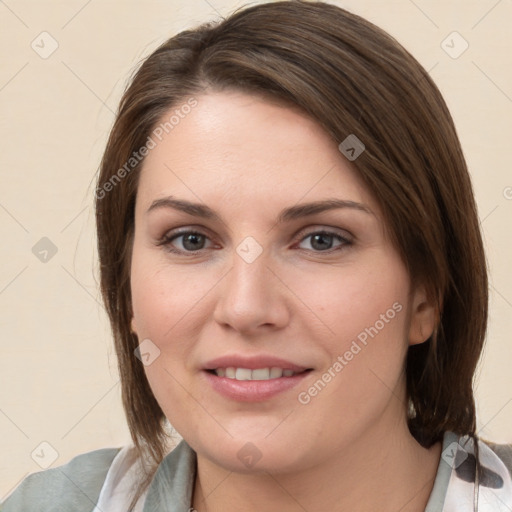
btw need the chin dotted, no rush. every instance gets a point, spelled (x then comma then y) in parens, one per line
(253, 454)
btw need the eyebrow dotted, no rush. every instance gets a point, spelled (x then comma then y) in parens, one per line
(286, 215)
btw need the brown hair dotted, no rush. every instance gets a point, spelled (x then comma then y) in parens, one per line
(352, 78)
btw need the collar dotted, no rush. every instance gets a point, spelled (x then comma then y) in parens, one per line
(453, 491)
(173, 484)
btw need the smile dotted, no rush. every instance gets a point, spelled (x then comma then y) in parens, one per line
(254, 374)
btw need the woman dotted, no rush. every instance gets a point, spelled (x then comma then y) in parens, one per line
(293, 268)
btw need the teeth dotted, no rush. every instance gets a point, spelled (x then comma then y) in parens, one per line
(261, 374)
(275, 373)
(243, 374)
(256, 374)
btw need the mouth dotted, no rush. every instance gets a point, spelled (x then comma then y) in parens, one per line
(242, 374)
(253, 379)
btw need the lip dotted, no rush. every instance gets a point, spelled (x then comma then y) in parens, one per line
(252, 363)
(252, 390)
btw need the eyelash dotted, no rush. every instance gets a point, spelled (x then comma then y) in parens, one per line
(168, 238)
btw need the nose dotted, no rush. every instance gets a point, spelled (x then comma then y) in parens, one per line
(252, 297)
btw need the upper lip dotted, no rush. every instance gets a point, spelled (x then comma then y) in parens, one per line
(252, 363)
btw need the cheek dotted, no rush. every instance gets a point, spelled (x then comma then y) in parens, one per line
(165, 308)
(163, 300)
(350, 302)
(365, 310)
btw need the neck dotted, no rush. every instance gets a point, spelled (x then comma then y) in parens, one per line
(386, 471)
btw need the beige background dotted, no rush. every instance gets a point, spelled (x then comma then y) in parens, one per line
(59, 382)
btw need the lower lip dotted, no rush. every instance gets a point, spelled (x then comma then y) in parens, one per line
(253, 390)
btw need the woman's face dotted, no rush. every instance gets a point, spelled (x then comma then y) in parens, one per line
(265, 287)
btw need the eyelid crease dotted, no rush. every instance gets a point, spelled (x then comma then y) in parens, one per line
(309, 230)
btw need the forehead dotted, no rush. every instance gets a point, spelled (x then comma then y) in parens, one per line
(237, 147)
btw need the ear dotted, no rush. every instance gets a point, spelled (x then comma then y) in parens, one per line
(423, 317)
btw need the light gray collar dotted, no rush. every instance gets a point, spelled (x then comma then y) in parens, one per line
(173, 484)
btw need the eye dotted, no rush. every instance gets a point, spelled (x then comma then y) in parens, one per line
(322, 241)
(191, 241)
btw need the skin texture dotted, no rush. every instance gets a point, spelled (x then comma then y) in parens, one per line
(247, 159)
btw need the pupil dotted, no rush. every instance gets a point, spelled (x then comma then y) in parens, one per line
(321, 237)
(194, 238)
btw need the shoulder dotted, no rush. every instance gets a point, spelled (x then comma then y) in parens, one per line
(503, 451)
(72, 486)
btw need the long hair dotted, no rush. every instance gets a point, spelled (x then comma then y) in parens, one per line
(353, 79)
